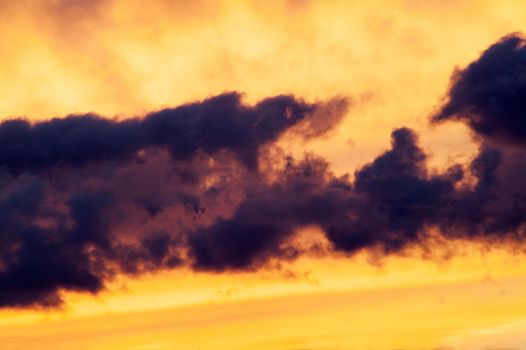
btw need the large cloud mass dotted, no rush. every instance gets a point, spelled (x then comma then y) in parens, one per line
(84, 198)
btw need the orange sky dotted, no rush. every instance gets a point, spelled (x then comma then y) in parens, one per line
(393, 59)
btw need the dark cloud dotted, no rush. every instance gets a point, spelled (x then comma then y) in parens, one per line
(489, 94)
(76, 228)
(218, 123)
(401, 193)
(387, 206)
(304, 193)
(35, 260)
(495, 207)
(83, 198)
(393, 203)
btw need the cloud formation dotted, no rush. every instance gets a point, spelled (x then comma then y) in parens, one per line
(84, 198)
(218, 123)
(489, 94)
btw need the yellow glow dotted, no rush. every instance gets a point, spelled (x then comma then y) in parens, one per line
(336, 302)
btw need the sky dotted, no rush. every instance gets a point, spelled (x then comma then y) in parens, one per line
(290, 175)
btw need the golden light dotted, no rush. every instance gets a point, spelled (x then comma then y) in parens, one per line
(393, 59)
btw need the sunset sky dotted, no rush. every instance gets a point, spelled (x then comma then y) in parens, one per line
(289, 175)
